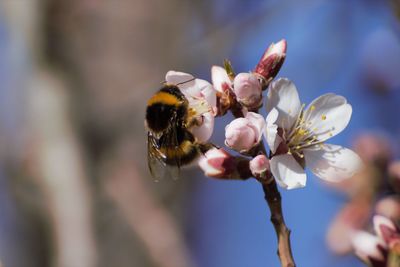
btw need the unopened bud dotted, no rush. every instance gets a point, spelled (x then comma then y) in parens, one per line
(217, 162)
(248, 90)
(271, 61)
(242, 134)
(259, 166)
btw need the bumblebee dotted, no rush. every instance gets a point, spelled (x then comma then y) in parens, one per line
(170, 143)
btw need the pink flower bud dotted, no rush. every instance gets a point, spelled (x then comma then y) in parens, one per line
(242, 134)
(248, 90)
(272, 61)
(259, 165)
(217, 163)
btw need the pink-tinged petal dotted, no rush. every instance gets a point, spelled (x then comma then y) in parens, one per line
(278, 48)
(283, 96)
(287, 172)
(179, 78)
(271, 131)
(386, 229)
(327, 116)
(217, 163)
(204, 131)
(220, 79)
(195, 89)
(189, 86)
(242, 134)
(239, 136)
(369, 247)
(247, 89)
(332, 162)
(272, 60)
(259, 165)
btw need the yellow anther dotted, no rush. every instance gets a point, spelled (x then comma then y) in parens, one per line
(301, 132)
(312, 107)
(323, 117)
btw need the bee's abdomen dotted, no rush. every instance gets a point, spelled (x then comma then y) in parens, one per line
(184, 154)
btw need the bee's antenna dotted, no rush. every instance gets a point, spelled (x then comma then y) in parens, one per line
(186, 81)
(164, 82)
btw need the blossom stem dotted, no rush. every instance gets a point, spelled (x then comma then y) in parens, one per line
(394, 259)
(274, 201)
(273, 198)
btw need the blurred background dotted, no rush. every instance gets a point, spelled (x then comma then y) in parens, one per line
(75, 77)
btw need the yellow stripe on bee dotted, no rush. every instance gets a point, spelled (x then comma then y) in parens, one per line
(164, 98)
(171, 152)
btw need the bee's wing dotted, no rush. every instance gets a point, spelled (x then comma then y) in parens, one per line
(157, 161)
(174, 170)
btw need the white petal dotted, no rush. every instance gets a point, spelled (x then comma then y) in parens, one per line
(220, 77)
(271, 131)
(210, 95)
(328, 115)
(180, 78)
(367, 246)
(190, 86)
(257, 122)
(332, 162)
(204, 132)
(283, 96)
(287, 172)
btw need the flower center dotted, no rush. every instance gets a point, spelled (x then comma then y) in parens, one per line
(301, 135)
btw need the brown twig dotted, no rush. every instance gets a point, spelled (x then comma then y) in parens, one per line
(273, 198)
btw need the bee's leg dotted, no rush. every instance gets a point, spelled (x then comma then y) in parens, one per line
(195, 121)
(205, 147)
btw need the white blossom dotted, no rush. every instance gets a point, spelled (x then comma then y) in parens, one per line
(202, 99)
(296, 136)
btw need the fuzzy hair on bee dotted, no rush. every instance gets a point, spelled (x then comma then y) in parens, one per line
(170, 143)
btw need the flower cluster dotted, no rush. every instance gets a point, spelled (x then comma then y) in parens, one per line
(373, 190)
(382, 249)
(296, 134)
